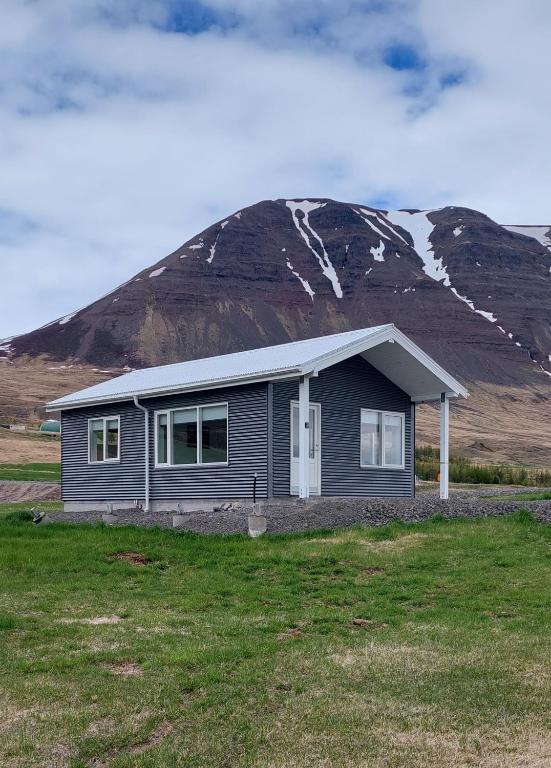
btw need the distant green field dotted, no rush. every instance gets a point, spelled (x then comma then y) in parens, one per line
(50, 472)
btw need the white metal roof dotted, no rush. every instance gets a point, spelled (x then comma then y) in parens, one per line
(281, 361)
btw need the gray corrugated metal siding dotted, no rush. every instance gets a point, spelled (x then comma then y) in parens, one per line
(247, 442)
(343, 390)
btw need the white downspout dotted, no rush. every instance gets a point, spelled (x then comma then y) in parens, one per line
(146, 419)
(444, 444)
(303, 435)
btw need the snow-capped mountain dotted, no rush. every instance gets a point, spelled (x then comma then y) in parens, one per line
(475, 294)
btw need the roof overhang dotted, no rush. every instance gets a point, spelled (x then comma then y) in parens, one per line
(397, 357)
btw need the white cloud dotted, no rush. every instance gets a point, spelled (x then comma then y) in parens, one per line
(119, 139)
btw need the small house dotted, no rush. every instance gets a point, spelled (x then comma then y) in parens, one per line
(330, 416)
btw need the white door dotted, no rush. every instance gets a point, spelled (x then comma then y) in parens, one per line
(314, 454)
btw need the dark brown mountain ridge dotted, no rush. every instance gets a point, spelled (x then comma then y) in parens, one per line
(475, 294)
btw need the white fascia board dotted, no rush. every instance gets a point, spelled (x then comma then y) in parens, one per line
(177, 390)
(390, 333)
(349, 350)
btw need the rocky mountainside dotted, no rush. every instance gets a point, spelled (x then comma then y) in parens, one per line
(475, 294)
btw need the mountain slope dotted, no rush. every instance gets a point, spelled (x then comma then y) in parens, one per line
(475, 294)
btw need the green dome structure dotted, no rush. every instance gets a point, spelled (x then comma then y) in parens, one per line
(51, 426)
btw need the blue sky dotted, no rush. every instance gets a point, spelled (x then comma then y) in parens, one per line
(126, 127)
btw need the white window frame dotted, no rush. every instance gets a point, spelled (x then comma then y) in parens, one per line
(105, 460)
(383, 465)
(167, 412)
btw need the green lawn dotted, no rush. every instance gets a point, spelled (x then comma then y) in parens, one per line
(43, 472)
(536, 496)
(230, 652)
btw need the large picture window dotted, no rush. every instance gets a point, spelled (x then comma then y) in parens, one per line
(382, 439)
(104, 439)
(192, 436)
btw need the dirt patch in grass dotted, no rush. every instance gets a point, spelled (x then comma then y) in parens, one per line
(156, 737)
(375, 545)
(97, 620)
(100, 727)
(123, 668)
(135, 558)
(159, 733)
(394, 545)
(13, 715)
(483, 750)
(401, 657)
(359, 622)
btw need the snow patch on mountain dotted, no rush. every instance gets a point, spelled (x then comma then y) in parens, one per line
(420, 228)
(66, 319)
(212, 248)
(369, 222)
(306, 207)
(488, 315)
(5, 345)
(305, 283)
(541, 234)
(195, 246)
(458, 230)
(388, 226)
(157, 272)
(378, 252)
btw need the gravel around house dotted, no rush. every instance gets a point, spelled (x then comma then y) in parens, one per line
(288, 516)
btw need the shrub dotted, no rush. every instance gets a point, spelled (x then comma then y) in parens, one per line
(19, 516)
(463, 470)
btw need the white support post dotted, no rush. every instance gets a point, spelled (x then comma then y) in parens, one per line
(444, 444)
(303, 438)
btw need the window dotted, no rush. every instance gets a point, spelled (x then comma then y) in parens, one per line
(184, 436)
(192, 436)
(382, 439)
(311, 431)
(162, 438)
(104, 439)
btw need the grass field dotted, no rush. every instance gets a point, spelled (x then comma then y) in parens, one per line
(405, 646)
(536, 496)
(50, 472)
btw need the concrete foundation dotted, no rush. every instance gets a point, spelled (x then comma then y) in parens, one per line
(177, 505)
